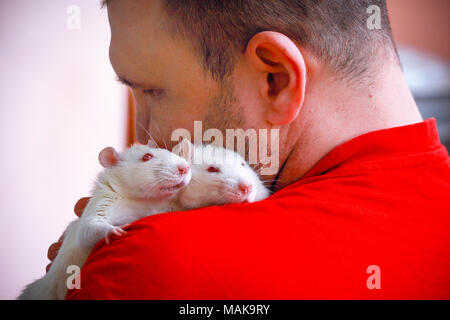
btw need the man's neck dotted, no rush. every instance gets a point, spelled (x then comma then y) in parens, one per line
(335, 113)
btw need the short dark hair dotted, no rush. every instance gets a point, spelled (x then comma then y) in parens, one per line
(335, 31)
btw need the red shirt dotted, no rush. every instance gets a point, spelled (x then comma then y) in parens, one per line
(381, 199)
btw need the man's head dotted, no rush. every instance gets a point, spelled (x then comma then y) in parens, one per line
(239, 64)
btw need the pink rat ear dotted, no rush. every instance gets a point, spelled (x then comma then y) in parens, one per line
(184, 149)
(152, 144)
(108, 157)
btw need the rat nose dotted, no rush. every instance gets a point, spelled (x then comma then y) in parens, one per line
(183, 169)
(245, 188)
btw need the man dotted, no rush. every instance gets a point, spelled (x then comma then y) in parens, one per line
(361, 206)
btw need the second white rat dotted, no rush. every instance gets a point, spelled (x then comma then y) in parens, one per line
(219, 176)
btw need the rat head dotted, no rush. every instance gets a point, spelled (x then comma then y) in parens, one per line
(220, 176)
(145, 171)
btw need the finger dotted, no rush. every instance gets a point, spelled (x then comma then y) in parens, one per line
(53, 250)
(80, 205)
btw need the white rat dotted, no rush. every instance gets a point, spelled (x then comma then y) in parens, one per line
(141, 181)
(219, 176)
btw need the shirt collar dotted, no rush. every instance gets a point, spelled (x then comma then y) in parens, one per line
(380, 146)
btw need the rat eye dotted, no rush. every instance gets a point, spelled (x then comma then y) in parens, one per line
(213, 169)
(243, 164)
(147, 157)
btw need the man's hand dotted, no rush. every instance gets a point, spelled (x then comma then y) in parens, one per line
(54, 248)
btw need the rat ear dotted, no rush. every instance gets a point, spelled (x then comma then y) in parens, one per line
(184, 149)
(108, 157)
(151, 143)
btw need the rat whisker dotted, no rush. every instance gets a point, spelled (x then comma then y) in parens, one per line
(195, 180)
(159, 131)
(270, 181)
(146, 131)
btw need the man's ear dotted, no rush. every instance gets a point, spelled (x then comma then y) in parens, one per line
(281, 68)
(108, 157)
(184, 149)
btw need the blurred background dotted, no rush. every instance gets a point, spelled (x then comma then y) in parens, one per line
(60, 105)
(421, 30)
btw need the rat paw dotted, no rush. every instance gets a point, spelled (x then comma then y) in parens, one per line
(118, 231)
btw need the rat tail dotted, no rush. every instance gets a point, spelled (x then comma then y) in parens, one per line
(41, 289)
(53, 285)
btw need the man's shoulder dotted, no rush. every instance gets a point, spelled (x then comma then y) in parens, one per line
(172, 255)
